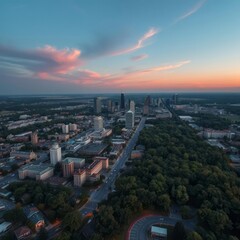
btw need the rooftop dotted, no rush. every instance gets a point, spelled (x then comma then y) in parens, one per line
(71, 159)
(37, 168)
(159, 231)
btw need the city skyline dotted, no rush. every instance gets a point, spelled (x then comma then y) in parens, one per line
(122, 46)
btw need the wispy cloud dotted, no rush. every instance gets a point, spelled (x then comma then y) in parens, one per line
(139, 44)
(139, 57)
(166, 67)
(190, 12)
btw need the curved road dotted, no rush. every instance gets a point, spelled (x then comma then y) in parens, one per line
(139, 229)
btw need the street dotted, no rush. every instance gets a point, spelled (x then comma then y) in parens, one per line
(102, 192)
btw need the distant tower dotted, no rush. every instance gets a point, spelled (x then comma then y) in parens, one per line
(55, 154)
(34, 138)
(97, 105)
(146, 105)
(65, 128)
(132, 106)
(110, 107)
(122, 103)
(129, 124)
(175, 98)
(98, 123)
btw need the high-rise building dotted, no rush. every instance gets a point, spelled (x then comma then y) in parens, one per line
(55, 154)
(129, 124)
(175, 98)
(97, 105)
(110, 106)
(34, 138)
(132, 106)
(122, 102)
(79, 177)
(68, 167)
(146, 107)
(65, 128)
(98, 123)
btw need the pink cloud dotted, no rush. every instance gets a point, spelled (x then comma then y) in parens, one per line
(139, 57)
(194, 9)
(63, 60)
(139, 44)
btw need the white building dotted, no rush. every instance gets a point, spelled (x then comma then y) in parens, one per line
(129, 124)
(65, 128)
(132, 106)
(98, 123)
(55, 154)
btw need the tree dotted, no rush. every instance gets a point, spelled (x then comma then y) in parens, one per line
(194, 236)
(105, 222)
(72, 220)
(64, 236)
(179, 232)
(42, 235)
(164, 202)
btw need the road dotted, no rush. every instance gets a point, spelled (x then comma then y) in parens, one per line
(102, 192)
(139, 230)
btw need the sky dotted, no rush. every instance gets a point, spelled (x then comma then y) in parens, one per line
(112, 46)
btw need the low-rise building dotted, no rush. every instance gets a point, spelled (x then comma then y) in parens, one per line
(158, 232)
(4, 226)
(23, 154)
(211, 133)
(37, 172)
(136, 154)
(23, 233)
(34, 216)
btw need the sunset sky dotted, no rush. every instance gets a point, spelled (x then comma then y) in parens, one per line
(102, 46)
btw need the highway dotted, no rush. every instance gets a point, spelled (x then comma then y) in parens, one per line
(102, 192)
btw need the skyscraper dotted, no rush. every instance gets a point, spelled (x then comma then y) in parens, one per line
(55, 154)
(146, 105)
(110, 107)
(129, 124)
(175, 98)
(122, 103)
(97, 105)
(132, 106)
(98, 123)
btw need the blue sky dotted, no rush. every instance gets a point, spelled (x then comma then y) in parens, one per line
(108, 45)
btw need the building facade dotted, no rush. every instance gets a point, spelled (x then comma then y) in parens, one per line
(97, 105)
(98, 123)
(55, 154)
(129, 124)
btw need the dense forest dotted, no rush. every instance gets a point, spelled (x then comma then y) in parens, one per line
(178, 168)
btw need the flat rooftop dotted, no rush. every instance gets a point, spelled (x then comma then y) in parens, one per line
(159, 231)
(93, 148)
(36, 168)
(71, 159)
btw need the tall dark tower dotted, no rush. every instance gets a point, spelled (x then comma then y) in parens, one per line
(122, 103)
